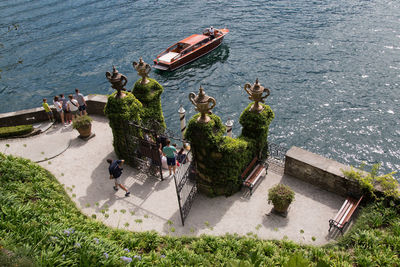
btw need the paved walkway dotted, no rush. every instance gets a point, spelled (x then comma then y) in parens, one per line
(81, 166)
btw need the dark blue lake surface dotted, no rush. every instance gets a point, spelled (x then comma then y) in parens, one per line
(333, 67)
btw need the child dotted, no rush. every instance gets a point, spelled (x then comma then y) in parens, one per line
(181, 157)
(48, 110)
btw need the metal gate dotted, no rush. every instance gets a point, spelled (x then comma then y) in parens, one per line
(145, 154)
(186, 186)
(143, 148)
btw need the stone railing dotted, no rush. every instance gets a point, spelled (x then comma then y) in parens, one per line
(95, 105)
(320, 171)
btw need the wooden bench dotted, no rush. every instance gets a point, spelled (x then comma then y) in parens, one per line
(344, 215)
(257, 171)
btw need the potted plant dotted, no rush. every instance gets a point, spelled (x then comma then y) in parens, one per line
(281, 196)
(83, 124)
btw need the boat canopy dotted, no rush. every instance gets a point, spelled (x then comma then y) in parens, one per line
(194, 39)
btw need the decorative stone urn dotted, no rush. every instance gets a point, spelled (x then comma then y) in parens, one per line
(256, 94)
(118, 82)
(202, 104)
(143, 69)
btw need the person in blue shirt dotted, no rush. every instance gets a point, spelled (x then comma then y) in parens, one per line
(115, 170)
(169, 151)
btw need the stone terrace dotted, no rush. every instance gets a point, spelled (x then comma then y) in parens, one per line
(81, 166)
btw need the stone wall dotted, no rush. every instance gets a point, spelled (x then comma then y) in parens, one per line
(320, 171)
(95, 104)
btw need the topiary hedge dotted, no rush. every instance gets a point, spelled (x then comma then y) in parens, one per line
(19, 130)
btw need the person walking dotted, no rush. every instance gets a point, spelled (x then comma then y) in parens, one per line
(81, 102)
(48, 110)
(169, 151)
(115, 170)
(73, 107)
(59, 108)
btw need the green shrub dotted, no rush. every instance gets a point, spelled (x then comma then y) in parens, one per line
(81, 121)
(281, 196)
(19, 130)
(371, 180)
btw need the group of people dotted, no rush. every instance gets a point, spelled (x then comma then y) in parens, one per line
(67, 109)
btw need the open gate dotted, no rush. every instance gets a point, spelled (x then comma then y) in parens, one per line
(147, 157)
(186, 186)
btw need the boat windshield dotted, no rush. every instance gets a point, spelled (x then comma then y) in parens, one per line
(178, 48)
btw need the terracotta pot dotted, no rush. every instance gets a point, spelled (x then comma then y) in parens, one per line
(85, 131)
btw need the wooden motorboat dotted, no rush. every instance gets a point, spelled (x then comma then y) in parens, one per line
(189, 49)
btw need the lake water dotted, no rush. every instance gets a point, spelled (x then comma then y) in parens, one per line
(333, 67)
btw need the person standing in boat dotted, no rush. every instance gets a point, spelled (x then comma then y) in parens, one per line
(211, 31)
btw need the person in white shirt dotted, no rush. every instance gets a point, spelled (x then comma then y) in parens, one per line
(73, 106)
(211, 32)
(59, 108)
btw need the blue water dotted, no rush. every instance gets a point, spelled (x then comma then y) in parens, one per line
(333, 67)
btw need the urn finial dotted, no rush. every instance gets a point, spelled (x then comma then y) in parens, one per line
(118, 82)
(202, 104)
(143, 69)
(255, 92)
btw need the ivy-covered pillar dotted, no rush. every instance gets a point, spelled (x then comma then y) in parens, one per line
(256, 118)
(219, 159)
(148, 91)
(121, 108)
(119, 112)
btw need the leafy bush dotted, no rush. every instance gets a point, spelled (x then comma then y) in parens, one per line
(19, 130)
(281, 196)
(81, 121)
(371, 180)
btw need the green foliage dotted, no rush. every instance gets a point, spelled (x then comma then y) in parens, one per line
(120, 111)
(150, 96)
(19, 130)
(81, 121)
(220, 159)
(281, 196)
(143, 105)
(256, 125)
(371, 180)
(14, 259)
(39, 224)
(297, 260)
